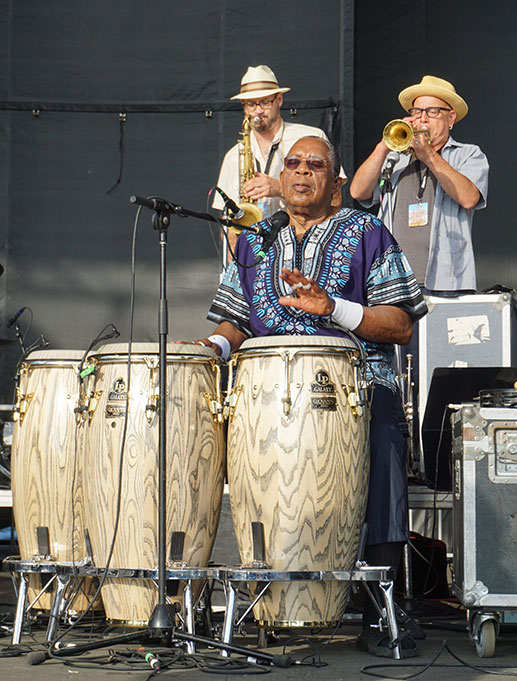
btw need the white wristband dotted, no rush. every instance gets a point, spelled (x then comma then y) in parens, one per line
(347, 314)
(223, 343)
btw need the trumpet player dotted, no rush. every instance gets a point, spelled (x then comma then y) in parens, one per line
(271, 138)
(436, 189)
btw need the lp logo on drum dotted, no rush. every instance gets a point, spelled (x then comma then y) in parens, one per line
(117, 394)
(326, 391)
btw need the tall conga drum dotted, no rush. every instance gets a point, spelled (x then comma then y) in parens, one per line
(194, 466)
(298, 465)
(46, 466)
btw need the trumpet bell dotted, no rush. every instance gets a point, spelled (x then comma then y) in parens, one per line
(398, 135)
(252, 214)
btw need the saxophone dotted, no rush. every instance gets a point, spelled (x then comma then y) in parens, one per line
(252, 212)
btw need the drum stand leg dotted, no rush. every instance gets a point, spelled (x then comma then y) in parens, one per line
(57, 608)
(189, 615)
(262, 637)
(387, 617)
(408, 575)
(229, 614)
(387, 592)
(20, 608)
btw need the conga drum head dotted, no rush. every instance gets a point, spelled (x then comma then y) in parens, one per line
(300, 342)
(150, 348)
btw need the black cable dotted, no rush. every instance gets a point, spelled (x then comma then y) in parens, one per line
(210, 225)
(485, 669)
(435, 486)
(122, 119)
(316, 652)
(15, 650)
(122, 447)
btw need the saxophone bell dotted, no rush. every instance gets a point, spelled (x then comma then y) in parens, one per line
(252, 214)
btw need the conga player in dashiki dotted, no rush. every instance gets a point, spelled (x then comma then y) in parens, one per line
(326, 272)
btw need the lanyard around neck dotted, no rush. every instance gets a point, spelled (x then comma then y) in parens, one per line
(272, 150)
(422, 179)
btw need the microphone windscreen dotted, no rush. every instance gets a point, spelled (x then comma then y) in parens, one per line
(37, 657)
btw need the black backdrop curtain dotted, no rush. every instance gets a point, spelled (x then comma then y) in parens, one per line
(66, 174)
(69, 70)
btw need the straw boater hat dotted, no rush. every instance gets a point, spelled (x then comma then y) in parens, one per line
(434, 87)
(257, 82)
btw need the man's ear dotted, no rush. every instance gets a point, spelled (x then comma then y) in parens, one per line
(337, 198)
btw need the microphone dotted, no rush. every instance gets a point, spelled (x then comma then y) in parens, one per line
(37, 657)
(230, 205)
(391, 159)
(156, 203)
(277, 220)
(112, 333)
(15, 317)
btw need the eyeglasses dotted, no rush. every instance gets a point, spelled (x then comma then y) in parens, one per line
(263, 103)
(315, 164)
(431, 111)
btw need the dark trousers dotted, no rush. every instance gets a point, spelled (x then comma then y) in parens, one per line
(387, 511)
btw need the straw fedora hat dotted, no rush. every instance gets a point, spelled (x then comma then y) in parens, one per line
(432, 86)
(257, 82)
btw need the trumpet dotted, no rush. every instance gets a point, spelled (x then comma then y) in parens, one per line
(398, 135)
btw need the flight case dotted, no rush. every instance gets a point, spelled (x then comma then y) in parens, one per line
(484, 459)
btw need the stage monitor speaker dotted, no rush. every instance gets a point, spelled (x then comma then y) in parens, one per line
(453, 386)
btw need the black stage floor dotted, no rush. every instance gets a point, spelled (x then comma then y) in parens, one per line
(446, 652)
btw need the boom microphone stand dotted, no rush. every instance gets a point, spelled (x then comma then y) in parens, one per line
(161, 622)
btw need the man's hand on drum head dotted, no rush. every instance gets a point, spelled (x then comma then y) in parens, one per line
(306, 294)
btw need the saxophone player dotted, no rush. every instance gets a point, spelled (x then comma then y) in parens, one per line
(271, 137)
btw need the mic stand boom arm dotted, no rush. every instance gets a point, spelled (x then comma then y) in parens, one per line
(163, 205)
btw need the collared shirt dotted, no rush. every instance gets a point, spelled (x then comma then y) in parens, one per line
(351, 255)
(451, 263)
(287, 135)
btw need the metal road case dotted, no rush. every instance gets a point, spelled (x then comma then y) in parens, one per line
(466, 331)
(484, 450)
(464, 335)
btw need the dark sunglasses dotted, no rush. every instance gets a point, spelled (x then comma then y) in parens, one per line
(314, 164)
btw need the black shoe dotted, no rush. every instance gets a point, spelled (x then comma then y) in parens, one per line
(377, 643)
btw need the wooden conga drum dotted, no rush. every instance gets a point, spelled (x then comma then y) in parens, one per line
(298, 464)
(46, 466)
(194, 466)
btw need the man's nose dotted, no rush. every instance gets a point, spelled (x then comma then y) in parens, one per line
(303, 167)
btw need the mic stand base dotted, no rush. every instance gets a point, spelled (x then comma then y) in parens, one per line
(161, 623)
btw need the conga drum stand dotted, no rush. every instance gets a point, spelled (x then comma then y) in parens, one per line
(382, 575)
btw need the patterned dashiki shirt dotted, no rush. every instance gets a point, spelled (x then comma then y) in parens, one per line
(352, 255)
